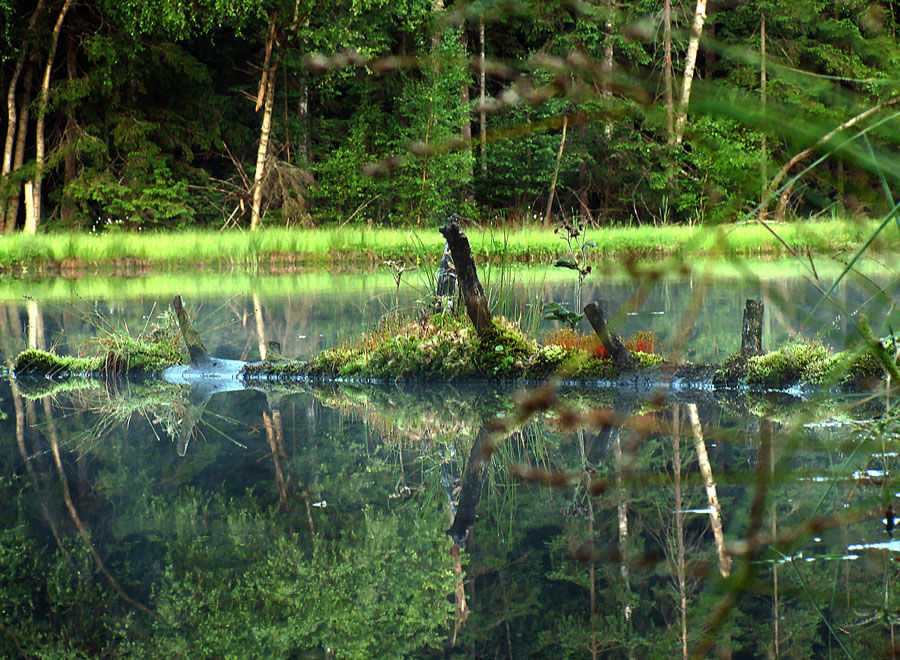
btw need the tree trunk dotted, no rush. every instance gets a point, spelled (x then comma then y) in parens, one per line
(482, 115)
(690, 62)
(620, 355)
(763, 155)
(7, 190)
(262, 151)
(467, 278)
(562, 145)
(40, 145)
(715, 510)
(751, 329)
(12, 211)
(667, 71)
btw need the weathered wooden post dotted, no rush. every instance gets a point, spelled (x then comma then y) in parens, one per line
(467, 276)
(620, 355)
(751, 330)
(190, 336)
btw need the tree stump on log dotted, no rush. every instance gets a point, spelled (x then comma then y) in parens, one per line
(751, 330)
(190, 336)
(467, 277)
(620, 355)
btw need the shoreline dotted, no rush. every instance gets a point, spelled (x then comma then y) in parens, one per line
(131, 254)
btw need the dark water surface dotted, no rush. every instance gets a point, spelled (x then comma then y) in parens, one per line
(141, 519)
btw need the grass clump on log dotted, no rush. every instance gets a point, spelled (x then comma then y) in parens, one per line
(113, 352)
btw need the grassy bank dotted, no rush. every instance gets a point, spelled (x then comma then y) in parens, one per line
(323, 246)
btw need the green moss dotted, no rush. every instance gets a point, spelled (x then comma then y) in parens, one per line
(646, 360)
(329, 364)
(46, 363)
(790, 365)
(503, 351)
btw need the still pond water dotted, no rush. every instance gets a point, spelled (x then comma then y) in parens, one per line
(146, 520)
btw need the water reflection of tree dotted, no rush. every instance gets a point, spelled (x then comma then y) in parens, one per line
(227, 570)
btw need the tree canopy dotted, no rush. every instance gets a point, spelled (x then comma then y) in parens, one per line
(155, 110)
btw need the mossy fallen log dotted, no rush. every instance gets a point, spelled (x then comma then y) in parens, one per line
(450, 348)
(446, 348)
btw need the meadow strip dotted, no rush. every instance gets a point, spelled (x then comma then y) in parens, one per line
(355, 244)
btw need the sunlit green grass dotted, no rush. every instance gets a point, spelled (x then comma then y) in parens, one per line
(348, 244)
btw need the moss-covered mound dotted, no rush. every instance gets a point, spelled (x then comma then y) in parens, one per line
(811, 364)
(446, 348)
(112, 353)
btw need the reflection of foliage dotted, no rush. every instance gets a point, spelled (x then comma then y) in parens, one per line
(245, 588)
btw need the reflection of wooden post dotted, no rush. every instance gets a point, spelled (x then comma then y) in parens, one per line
(715, 511)
(470, 489)
(622, 515)
(679, 526)
(467, 276)
(751, 330)
(36, 338)
(275, 436)
(620, 355)
(461, 609)
(260, 328)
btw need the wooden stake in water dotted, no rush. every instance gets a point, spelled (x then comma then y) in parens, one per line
(191, 337)
(751, 331)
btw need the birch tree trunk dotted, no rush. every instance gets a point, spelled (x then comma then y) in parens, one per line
(265, 98)
(12, 210)
(31, 220)
(262, 150)
(7, 190)
(690, 62)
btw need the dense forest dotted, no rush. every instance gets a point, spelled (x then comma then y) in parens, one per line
(166, 114)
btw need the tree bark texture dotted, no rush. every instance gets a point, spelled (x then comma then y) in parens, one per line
(690, 62)
(262, 150)
(620, 355)
(190, 336)
(751, 330)
(467, 277)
